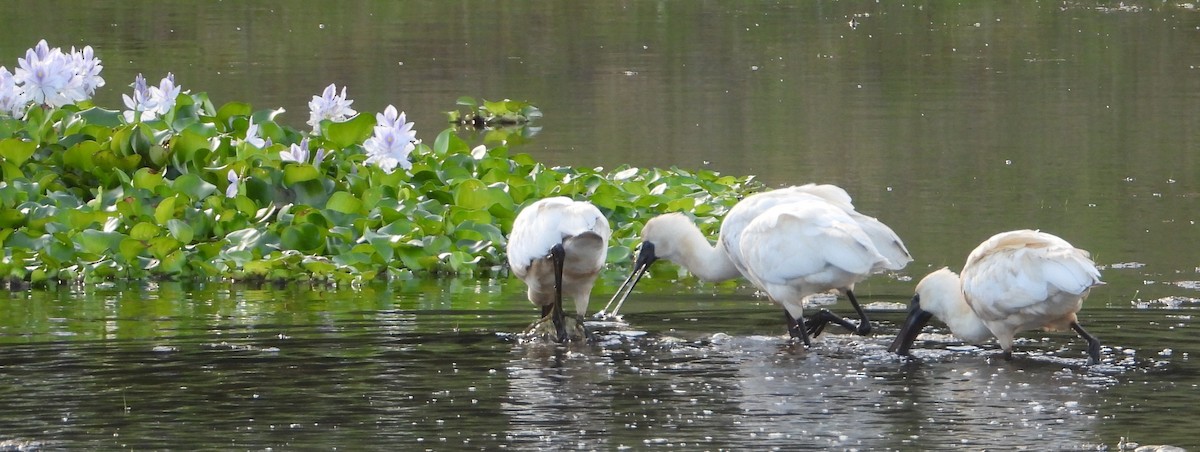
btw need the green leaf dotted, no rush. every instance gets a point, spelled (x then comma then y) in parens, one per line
(98, 242)
(189, 141)
(160, 247)
(101, 117)
(130, 249)
(144, 231)
(82, 155)
(181, 230)
(350, 132)
(232, 109)
(16, 151)
(305, 237)
(448, 143)
(299, 173)
(343, 202)
(193, 186)
(165, 210)
(147, 180)
(497, 108)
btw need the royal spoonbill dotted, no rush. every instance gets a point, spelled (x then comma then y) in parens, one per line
(1012, 282)
(787, 248)
(558, 246)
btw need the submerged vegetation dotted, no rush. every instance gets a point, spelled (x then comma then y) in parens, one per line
(175, 187)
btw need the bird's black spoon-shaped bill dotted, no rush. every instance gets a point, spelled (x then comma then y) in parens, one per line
(641, 264)
(916, 320)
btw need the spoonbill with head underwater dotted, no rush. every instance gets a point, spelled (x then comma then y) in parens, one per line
(1012, 282)
(791, 243)
(558, 246)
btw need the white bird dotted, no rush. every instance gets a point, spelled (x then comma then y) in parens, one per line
(558, 247)
(791, 243)
(1012, 282)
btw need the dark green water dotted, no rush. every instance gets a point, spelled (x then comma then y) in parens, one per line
(435, 364)
(948, 121)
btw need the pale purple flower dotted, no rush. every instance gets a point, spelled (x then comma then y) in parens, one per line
(142, 105)
(12, 98)
(151, 102)
(296, 153)
(48, 77)
(164, 94)
(329, 105)
(390, 119)
(299, 153)
(393, 141)
(252, 135)
(232, 190)
(88, 68)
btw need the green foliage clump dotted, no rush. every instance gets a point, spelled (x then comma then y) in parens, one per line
(89, 195)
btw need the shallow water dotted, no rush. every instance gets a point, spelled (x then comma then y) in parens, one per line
(949, 122)
(440, 365)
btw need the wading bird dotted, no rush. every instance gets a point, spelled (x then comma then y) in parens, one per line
(1012, 282)
(791, 243)
(558, 247)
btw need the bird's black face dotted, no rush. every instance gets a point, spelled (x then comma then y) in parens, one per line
(641, 264)
(917, 319)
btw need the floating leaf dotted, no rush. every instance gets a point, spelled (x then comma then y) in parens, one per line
(305, 237)
(16, 151)
(352, 131)
(193, 186)
(299, 173)
(343, 202)
(180, 230)
(165, 210)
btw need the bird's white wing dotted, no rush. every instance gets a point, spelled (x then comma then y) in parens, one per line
(746, 211)
(883, 237)
(1071, 270)
(885, 240)
(831, 193)
(545, 223)
(1019, 269)
(807, 239)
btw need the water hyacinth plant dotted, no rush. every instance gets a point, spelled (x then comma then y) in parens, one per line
(329, 106)
(183, 189)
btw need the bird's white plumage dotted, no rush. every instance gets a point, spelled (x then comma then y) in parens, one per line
(885, 240)
(791, 242)
(806, 246)
(1013, 281)
(579, 227)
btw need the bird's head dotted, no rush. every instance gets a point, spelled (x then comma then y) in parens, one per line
(931, 299)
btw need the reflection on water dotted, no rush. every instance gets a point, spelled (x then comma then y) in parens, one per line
(361, 367)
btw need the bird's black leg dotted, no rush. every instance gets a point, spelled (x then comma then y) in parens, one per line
(547, 310)
(796, 328)
(818, 321)
(823, 317)
(864, 325)
(1093, 343)
(558, 255)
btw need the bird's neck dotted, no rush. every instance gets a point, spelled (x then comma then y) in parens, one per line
(704, 260)
(962, 320)
(942, 295)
